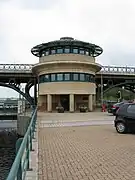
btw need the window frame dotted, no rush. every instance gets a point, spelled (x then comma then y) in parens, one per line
(53, 74)
(69, 76)
(75, 48)
(72, 76)
(59, 48)
(57, 77)
(77, 76)
(83, 76)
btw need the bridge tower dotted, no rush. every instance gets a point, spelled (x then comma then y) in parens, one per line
(66, 74)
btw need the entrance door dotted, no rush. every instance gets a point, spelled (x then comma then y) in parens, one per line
(64, 99)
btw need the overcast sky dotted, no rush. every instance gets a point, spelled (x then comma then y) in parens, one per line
(107, 23)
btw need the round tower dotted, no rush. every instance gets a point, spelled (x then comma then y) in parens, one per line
(66, 74)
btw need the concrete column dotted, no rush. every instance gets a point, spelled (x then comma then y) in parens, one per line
(90, 105)
(49, 102)
(72, 103)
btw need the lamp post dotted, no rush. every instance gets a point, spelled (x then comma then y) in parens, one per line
(102, 96)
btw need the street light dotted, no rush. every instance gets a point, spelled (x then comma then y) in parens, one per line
(102, 96)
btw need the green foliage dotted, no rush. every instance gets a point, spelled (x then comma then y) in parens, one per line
(111, 95)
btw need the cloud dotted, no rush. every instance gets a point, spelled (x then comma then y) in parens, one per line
(108, 23)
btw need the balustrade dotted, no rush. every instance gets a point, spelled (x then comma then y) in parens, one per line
(28, 67)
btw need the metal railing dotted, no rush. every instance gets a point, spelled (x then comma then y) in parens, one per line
(23, 147)
(16, 67)
(27, 68)
(117, 70)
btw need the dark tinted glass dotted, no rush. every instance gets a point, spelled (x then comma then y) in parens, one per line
(53, 77)
(67, 77)
(60, 51)
(59, 77)
(75, 77)
(131, 108)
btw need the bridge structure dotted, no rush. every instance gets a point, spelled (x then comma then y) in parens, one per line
(12, 75)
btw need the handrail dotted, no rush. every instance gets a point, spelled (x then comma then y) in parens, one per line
(23, 148)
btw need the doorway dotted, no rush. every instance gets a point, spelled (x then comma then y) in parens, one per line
(64, 100)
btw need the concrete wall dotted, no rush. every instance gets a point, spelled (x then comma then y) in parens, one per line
(42, 102)
(67, 88)
(67, 57)
(66, 67)
(22, 124)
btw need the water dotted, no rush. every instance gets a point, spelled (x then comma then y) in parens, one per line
(7, 156)
(7, 152)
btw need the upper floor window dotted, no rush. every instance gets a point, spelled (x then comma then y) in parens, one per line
(67, 76)
(60, 77)
(53, 77)
(41, 79)
(92, 78)
(75, 50)
(46, 78)
(87, 77)
(87, 52)
(75, 77)
(47, 53)
(53, 51)
(82, 77)
(43, 53)
(81, 51)
(67, 50)
(60, 51)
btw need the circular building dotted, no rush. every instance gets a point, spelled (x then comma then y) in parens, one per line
(66, 74)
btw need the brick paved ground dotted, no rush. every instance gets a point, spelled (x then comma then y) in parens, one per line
(82, 153)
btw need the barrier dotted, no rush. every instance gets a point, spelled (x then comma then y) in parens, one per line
(23, 148)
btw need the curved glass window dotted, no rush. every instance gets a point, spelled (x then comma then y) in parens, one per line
(43, 53)
(53, 51)
(75, 51)
(87, 77)
(46, 78)
(60, 51)
(60, 77)
(92, 78)
(47, 53)
(82, 77)
(75, 76)
(53, 77)
(67, 50)
(82, 51)
(67, 76)
(87, 52)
